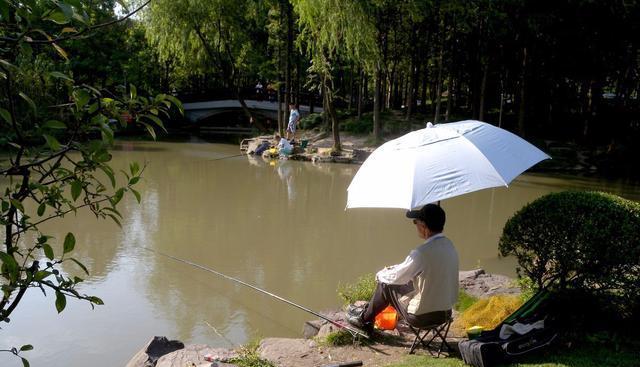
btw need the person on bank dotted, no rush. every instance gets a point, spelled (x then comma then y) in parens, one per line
(284, 148)
(294, 120)
(424, 288)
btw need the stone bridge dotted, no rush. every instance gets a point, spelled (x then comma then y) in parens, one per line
(200, 111)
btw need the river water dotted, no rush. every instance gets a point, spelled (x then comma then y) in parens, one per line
(281, 226)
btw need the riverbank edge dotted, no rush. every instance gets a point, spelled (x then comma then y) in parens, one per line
(309, 350)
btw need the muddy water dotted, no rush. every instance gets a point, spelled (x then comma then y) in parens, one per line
(281, 226)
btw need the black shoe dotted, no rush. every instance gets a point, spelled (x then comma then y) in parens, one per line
(354, 315)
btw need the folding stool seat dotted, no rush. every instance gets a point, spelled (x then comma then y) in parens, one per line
(439, 333)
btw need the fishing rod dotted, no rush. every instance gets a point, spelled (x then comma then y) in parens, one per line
(231, 156)
(351, 330)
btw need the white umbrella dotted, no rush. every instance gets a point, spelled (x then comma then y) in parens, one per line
(440, 162)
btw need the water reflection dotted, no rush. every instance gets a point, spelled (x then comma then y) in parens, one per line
(280, 226)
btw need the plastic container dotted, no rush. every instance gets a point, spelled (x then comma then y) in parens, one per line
(387, 319)
(474, 331)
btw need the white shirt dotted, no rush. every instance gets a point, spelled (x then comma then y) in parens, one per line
(405, 272)
(284, 144)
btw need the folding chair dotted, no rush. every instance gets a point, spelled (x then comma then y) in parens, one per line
(439, 331)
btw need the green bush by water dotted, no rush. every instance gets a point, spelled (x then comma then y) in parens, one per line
(585, 241)
(361, 290)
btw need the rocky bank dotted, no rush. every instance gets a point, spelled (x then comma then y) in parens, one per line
(310, 350)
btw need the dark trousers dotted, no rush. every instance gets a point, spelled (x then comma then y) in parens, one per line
(389, 294)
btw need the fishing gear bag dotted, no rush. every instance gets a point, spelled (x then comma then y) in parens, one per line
(528, 329)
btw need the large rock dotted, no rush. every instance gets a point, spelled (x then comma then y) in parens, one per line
(194, 355)
(480, 284)
(285, 352)
(154, 350)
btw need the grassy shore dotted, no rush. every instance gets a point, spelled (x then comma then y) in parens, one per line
(584, 356)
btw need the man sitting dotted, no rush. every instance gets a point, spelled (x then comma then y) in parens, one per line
(424, 288)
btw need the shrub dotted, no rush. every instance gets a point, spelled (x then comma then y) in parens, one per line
(361, 290)
(311, 121)
(588, 241)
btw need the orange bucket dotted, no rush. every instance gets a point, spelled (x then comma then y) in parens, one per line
(387, 319)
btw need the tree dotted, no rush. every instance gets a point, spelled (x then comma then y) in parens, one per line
(332, 29)
(221, 37)
(58, 161)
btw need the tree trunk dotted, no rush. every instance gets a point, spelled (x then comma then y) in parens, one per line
(377, 94)
(483, 90)
(436, 116)
(280, 117)
(361, 92)
(287, 81)
(449, 96)
(522, 108)
(333, 118)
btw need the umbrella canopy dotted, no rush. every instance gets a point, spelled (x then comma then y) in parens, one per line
(440, 162)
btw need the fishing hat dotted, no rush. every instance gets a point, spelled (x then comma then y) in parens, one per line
(431, 214)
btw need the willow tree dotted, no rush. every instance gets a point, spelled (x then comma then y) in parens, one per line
(210, 36)
(333, 29)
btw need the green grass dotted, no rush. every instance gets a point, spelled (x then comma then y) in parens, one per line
(249, 356)
(465, 300)
(361, 290)
(585, 356)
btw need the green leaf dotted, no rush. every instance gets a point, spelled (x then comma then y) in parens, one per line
(29, 101)
(41, 208)
(115, 199)
(66, 9)
(95, 300)
(115, 219)
(133, 91)
(48, 251)
(58, 17)
(134, 180)
(156, 120)
(61, 301)
(41, 275)
(176, 102)
(136, 194)
(59, 75)
(109, 172)
(150, 129)
(25, 363)
(69, 243)
(52, 142)
(76, 189)
(54, 124)
(26, 347)
(81, 97)
(5, 115)
(61, 51)
(17, 204)
(10, 264)
(4, 10)
(134, 167)
(81, 265)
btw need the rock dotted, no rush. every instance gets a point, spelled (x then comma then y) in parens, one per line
(311, 328)
(486, 285)
(154, 350)
(284, 352)
(194, 355)
(327, 329)
(360, 155)
(470, 274)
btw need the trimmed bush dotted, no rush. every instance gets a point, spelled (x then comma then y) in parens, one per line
(587, 241)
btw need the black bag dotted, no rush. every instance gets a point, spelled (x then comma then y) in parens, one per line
(489, 349)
